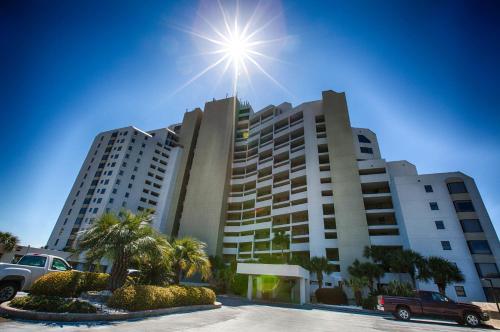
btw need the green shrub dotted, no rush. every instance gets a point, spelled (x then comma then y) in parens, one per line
(333, 295)
(370, 302)
(69, 283)
(397, 288)
(146, 297)
(52, 304)
(239, 285)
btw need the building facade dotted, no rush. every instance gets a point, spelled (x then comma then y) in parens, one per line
(234, 178)
(126, 168)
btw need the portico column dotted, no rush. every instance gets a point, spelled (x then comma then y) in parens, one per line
(258, 291)
(250, 287)
(302, 290)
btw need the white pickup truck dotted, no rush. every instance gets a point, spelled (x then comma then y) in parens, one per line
(20, 276)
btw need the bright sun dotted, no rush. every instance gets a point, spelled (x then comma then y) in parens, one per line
(237, 45)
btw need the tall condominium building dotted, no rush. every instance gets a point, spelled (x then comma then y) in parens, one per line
(237, 177)
(125, 168)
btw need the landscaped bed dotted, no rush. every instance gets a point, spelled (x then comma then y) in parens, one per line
(83, 297)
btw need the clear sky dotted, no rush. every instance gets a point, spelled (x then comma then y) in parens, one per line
(424, 75)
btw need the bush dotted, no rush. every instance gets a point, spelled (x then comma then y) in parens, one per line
(370, 302)
(239, 285)
(52, 304)
(69, 283)
(396, 288)
(142, 297)
(333, 295)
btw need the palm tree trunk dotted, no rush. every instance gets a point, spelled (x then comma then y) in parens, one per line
(118, 274)
(441, 288)
(319, 275)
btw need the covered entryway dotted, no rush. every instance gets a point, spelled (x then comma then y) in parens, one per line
(266, 281)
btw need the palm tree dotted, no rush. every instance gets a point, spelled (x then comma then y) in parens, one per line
(188, 258)
(407, 261)
(320, 265)
(443, 273)
(8, 241)
(122, 239)
(282, 240)
(366, 269)
(357, 284)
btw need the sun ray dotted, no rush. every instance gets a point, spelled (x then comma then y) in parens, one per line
(267, 74)
(267, 24)
(220, 34)
(225, 19)
(194, 78)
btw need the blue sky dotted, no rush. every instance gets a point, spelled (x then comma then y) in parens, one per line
(424, 75)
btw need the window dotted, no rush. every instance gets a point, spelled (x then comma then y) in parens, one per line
(130, 185)
(434, 206)
(111, 200)
(457, 188)
(99, 200)
(114, 190)
(446, 245)
(59, 265)
(439, 224)
(479, 247)
(33, 261)
(471, 226)
(95, 210)
(487, 270)
(127, 194)
(366, 150)
(363, 139)
(460, 291)
(332, 254)
(464, 206)
(428, 188)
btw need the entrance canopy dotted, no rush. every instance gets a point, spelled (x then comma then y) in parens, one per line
(279, 270)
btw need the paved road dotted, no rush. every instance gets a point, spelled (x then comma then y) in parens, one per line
(238, 316)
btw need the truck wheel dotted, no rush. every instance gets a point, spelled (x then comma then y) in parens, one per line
(472, 319)
(7, 291)
(403, 313)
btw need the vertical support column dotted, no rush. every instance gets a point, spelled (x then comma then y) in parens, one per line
(250, 287)
(302, 290)
(350, 215)
(258, 291)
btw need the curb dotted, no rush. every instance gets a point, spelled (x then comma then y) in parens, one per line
(77, 317)
(350, 310)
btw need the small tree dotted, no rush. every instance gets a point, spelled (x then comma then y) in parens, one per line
(410, 262)
(357, 284)
(369, 270)
(443, 273)
(8, 241)
(282, 240)
(122, 239)
(188, 258)
(320, 265)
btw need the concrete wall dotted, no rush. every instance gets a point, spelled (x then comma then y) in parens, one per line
(347, 195)
(206, 197)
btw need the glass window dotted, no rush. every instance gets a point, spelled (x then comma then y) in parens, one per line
(38, 261)
(439, 298)
(428, 188)
(479, 247)
(366, 150)
(464, 206)
(471, 226)
(460, 291)
(363, 139)
(457, 188)
(434, 206)
(59, 265)
(439, 224)
(446, 245)
(332, 254)
(487, 270)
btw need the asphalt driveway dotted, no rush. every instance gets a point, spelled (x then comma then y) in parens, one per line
(239, 315)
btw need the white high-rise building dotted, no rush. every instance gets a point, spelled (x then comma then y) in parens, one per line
(233, 178)
(126, 168)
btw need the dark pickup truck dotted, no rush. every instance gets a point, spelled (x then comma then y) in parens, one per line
(432, 304)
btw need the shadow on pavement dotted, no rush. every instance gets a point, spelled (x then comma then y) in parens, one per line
(438, 323)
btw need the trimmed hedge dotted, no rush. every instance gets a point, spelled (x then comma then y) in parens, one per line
(333, 295)
(52, 304)
(69, 283)
(146, 297)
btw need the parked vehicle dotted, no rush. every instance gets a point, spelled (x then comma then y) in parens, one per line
(20, 276)
(432, 304)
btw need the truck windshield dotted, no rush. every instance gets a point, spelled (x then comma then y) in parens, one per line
(33, 261)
